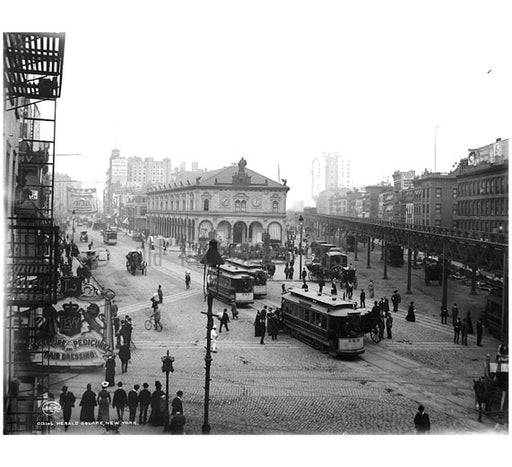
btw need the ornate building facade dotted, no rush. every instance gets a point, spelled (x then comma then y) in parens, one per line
(232, 204)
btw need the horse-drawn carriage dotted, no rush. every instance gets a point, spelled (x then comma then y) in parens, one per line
(491, 391)
(135, 261)
(317, 271)
(84, 237)
(371, 323)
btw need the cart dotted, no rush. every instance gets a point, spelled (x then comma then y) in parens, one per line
(135, 261)
(83, 236)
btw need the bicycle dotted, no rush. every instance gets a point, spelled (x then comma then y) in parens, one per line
(152, 323)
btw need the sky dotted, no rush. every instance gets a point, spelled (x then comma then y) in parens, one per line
(278, 83)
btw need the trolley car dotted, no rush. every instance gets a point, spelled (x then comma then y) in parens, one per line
(231, 283)
(110, 237)
(255, 271)
(326, 323)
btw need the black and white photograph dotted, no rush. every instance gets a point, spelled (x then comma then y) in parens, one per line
(269, 218)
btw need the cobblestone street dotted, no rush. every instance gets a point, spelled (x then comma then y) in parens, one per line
(285, 386)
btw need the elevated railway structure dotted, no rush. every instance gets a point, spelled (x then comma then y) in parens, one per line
(474, 250)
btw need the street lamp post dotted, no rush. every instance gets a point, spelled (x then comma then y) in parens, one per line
(73, 227)
(167, 368)
(301, 220)
(211, 259)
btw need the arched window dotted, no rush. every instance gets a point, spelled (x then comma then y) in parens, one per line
(206, 205)
(275, 206)
(191, 202)
(243, 205)
(237, 205)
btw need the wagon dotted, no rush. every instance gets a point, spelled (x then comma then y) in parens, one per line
(135, 261)
(317, 272)
(83, 236)
(370, 325)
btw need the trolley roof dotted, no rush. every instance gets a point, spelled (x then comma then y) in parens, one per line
(334, 306)
(251, 265)
(234, 271)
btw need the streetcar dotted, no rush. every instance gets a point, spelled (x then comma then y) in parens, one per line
(255, 271)
(330, 324)
(110, 237)
(231, 283)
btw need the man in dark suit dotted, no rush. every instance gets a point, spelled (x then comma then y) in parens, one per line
(67, 402)
(421, 421)
(144, 401)
(133, 402)
(177, 403)
(119, 400)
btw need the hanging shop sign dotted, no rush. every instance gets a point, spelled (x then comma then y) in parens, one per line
(73, 333)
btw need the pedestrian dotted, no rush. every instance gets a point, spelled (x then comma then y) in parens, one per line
(263, 328)
(144, 401)
(291, 271)
(421, 421)
(464, 332)
(177, 425)
(88, 402)
(456, 331)
(165, 246)
(125, 357)
(119, 400)
(157, 416)
(187, 280)
(110, 369)
(287, 271)
(177, 403)
(160, 294)
(479, 332)
(334, 290)
(386, 305)
(455, 313)
(272, 325)
(444, 314)
(395, 300)
(213, 337)
(321, 285)
(67, 402)
(362, 298)
(283, 289)
(410, 313)
(234, 310)
(469, 322)
(304, 274)
(371, 289)
(117, 326)
(133, 402)
(224, 320)
(389, 325)
(104, 403)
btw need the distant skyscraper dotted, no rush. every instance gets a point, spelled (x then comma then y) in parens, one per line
(328, 172)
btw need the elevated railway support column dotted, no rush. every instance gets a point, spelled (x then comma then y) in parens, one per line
(385, 253)
(473, 279)
(409, 270)
(368, 253)
(446, 270)
(355, 247)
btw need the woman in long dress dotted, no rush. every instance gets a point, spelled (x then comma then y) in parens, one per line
(88, 403)
(156, 418)
(110, 370)
(104, 403)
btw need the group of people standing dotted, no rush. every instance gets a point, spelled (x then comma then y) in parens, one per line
(461, 328)
(268, 321)
(120, 400)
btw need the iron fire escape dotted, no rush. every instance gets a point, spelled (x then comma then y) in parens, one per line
(33, 65)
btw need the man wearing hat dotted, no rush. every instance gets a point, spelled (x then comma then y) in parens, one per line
(144, 401)
(120, 400)
(177, 403)
(67, 402)
(133, 402)
(410, 313)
